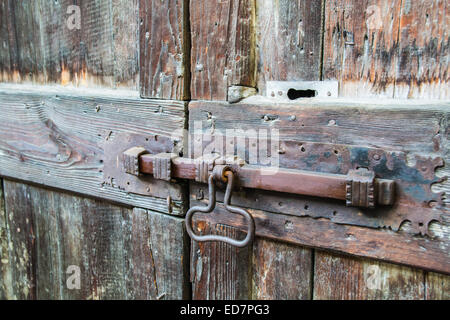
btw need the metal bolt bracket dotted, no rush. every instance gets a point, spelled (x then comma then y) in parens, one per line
(162, 166)
(131, 160)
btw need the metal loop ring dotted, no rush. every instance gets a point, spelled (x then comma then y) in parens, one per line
(210, 207)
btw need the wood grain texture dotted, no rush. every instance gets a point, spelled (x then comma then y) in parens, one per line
(289, 35)
(223, 47)
(6, 286)
(121, 253)
(164, 49)
(387, 48)
(281, 271)
(416, 128)
(58, 140)
(220, 271)
(344, 278)
(437, 286)
(424, 50)
(394, 247)
(361, 46)
(43, 48)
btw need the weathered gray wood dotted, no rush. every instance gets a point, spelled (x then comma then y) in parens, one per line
(281, 271)
(437, 286)
(218, 270)
(344, 278)
(223, 47)
(164, 49)
(43, 49)
(58, 140)
(6, 285)
(20, 276)
(289, 40)
(121, 253)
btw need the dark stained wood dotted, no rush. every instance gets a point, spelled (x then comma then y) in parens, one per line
(42, 49)
(121, 253)
(387, 48)
(164, 49)
(281, 271)
(344, 278)
(58, 140)
(289, 35)
(383, 245)
(223, 47)
(218, 270)
(437, 286)
(424, 50)
(361, 46)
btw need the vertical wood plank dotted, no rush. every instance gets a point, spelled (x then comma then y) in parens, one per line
(121, 253)
(289, 40)
(422, 69)
(21, 242)
(437, 286)
(164, 46)
(218, 270)
(339, 277)
(6, 287)
(170, 255)
(223, 47)
(361, 46)
(281, 271)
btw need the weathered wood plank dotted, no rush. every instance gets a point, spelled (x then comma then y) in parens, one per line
(48, 42)
(218, 270)
(424, 50)
(58, 140)
(437, 286)
(121, 253)
(170, 245)
(281, 271)
(223, 47)
(383, 245)
(21, 241)
(361, 46)
(164, 49)
(387, 48)
(289, 35)
(6, 277)
(343, 278)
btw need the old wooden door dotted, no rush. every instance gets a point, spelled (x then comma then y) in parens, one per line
(83, 81)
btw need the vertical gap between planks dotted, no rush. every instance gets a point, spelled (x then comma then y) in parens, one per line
(397, 57)
(322, 41)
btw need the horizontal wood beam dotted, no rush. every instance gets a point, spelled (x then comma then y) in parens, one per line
(57, 139)
(383, 245)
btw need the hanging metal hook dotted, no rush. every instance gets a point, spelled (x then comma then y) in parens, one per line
(226, 175)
